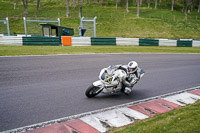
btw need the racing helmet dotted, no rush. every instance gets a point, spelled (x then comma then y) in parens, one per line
(132, 66)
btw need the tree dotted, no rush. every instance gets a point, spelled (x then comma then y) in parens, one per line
(188, 4)
(127, 6)
(80, 11)
(140, 2)
(199, 7)
(89, 2)
(138, 8)
(116, 4)
(67, 14)
(183, 5)
(16, 4)
(99, 2)
(74, 3)
(149, 2)
(134, 2)
(156, 4)
(38, 5)
(172, 8)
(25, 4)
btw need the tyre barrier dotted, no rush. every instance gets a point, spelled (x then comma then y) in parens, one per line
(167, 42)
(148, 42)
(127, 41)
(11, 40)
(105, 41)
(81, 41)
(95, 41)
(41, 41)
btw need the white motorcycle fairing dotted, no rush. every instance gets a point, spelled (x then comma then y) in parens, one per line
(98, 84)
(110, 80)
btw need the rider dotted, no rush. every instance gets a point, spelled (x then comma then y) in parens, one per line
(132, 70)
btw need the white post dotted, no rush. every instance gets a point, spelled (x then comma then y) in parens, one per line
(82, 22)
(25, 26)
(58, 21)
(95, 26)
(8, 30)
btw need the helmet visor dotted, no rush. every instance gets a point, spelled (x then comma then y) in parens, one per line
(132, 69)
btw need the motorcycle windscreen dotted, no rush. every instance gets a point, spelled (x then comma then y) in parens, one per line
(106, 77)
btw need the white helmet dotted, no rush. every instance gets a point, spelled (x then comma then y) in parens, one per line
(132, 66)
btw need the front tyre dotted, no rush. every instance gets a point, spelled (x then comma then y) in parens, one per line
(92, 91)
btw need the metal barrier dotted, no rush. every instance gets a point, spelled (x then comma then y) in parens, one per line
(88, 20)
(25, 20)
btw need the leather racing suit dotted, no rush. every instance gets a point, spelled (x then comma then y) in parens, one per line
(130, 80)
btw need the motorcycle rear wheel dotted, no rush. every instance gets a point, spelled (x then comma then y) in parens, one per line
(92, 91)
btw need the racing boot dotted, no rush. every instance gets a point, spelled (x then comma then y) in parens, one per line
(127, 90)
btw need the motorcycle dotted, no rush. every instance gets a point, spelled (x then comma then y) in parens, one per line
(110, 81)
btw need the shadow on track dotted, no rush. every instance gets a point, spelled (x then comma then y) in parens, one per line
(118, 96)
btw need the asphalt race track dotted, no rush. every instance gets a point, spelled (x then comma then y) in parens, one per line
(35, 89)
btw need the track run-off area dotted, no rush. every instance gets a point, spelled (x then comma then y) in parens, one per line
(36, 89)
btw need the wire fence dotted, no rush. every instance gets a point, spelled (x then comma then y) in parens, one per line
(32, 26)
(90, 25)
(4, 26)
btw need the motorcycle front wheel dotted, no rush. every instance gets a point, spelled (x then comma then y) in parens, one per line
(92, 91)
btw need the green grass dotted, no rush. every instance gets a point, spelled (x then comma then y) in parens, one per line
(111, 22)
(6, 50)
(183, 120)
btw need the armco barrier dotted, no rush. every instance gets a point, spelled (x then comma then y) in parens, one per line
(184, 43)
(103, 41)
(167, 42)
(148, 42)
(10, 40)
(47, 41)
(81, 41)
(88, 41)
(196, 43)
(127, 41)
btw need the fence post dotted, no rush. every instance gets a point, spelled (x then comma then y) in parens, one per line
(25, 26)
(8, 30)
(58, 21)
(95, 26)
(81, 26)
(82, 22)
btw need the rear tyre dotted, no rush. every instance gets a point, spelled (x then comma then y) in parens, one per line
(92, 91)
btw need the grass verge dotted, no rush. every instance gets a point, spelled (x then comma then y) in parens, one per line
(183, 120)
(6, 50)
(111, 22)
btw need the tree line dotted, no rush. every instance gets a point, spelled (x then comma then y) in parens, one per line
(187, 5)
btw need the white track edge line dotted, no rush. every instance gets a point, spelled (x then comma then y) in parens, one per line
(98, 54)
